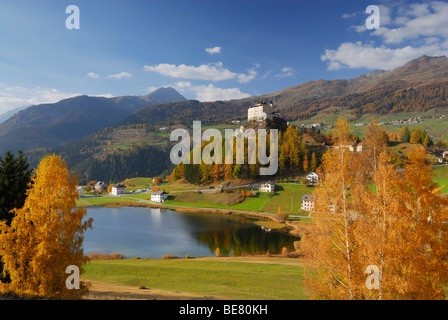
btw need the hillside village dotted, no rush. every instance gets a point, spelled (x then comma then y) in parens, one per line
(259, 115)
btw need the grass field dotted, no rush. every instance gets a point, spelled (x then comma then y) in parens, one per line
(441, 177)
(100, 201)
(231, 278)
(288, 197)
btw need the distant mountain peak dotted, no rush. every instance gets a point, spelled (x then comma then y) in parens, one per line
(164, 95)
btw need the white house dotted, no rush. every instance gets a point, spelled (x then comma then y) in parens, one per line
(445, 155)
(267, 187)
(118, 189)
(352, 147)
(159, 196)
(358, 148)
(260, 112)
(312, 177)
(307, 202)
(80, 190)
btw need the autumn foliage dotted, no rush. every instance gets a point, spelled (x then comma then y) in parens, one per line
(370, 213)
(45, 235)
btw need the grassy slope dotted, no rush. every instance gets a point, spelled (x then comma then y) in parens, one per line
(226, 278)
(441, 177)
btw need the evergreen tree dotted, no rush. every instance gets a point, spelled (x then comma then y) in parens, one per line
(15, 176)
(406, 135)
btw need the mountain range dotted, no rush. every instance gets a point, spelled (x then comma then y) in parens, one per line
(56, 124)
(422, 84)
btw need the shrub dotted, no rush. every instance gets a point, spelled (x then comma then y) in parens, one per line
(112, 256)
(284, 251)
(170, 256)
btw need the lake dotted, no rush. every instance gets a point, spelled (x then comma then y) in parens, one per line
(149, 232)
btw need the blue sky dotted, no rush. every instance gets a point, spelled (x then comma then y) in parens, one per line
(208, 50)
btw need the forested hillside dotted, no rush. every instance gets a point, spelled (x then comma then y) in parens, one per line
(385, 100)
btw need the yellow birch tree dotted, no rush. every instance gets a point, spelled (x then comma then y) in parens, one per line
(330, 246)
(46, 235)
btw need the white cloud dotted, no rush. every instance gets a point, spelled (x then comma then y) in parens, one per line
(348, 15)
(425, 20)
(415, 30)
(103, 95)
(183, 84)
(211, 72)
(213, 50)
(93, 75)
(120, 75)
(285, 72)
(358, 55)
(244, 78)
(14, 97)
(211, 93)
(208, 72)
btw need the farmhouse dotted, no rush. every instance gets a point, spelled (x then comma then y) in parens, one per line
(118, 189)
(312, 178)
(267, 187)
(352, 147)
(159, 196)
(307, 202)
(358, 148)
(445, 155)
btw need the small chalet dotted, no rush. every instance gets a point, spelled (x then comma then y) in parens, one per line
(118, 189)
(307, 202)
(445, 155)
(159, 196)
(267, 187)
(312, 178)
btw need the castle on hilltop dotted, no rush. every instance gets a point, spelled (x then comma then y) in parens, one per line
(261, 111)
(262, 115)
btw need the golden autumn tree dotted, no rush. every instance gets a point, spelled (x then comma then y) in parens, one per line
(306, 163)
(375, 228)
(386, 218)
(313, 162)
(402, 231)
(422, 219)
(330, 245)
(46, 235)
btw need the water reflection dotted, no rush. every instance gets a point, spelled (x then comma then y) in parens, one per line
(148, 232)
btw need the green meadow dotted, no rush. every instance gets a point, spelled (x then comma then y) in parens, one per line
(441, 177)
(230, 278)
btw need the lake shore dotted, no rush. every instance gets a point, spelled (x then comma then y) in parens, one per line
(295, 228)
